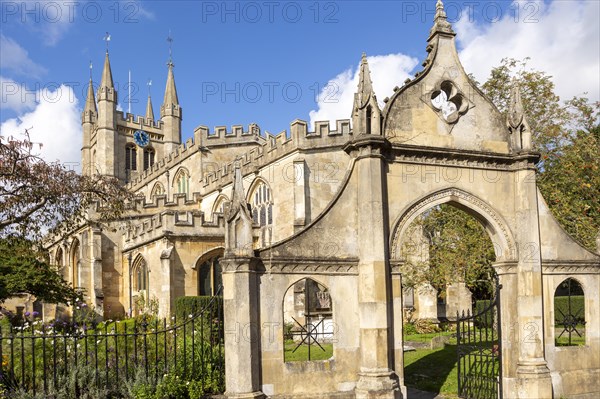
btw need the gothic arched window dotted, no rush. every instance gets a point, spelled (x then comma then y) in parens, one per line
(148, 158)
(76, 264)
(182, 181)
(140, 275)
(262, 204)
(209, 276)
(569, 313)
(130, 157)
(158, 189)
(59, 263)
(308, 332)
(58, 258)
(219, 205)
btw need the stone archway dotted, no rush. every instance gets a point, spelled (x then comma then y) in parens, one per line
(496, 227)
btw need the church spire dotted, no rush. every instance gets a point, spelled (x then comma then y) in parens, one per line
(149, 109)
(366, 115)
(516, 121)
(90, 101)
(107, 80)
(171, 90)
(440, 22)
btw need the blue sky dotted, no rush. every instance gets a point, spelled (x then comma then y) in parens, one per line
(264, 62)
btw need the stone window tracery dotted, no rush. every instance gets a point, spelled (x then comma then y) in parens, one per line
(262, 205)
(182, 182)
(130, 157)
(76, 264)
(449, 102)
(140, 275)
(148, 158)
(158, 189)
(219, 205)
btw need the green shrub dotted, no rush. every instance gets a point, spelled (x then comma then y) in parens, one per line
(409, 329)
(193, 305)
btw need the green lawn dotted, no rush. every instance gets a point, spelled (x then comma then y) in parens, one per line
(576, 340)
(432, 370)
(301, 354)
(426, 337)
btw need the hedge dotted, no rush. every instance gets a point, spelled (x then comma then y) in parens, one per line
(561, 304)
(192, 305)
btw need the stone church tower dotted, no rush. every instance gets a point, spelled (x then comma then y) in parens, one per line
(109, 145)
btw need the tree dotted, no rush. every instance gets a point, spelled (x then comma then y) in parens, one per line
(458, 249)
(566, 135)
(25, 269)
(40, 199)
(570, 183)
(37, 198)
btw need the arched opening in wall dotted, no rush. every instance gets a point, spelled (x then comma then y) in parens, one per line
(368, 118)
(148, 157)
(448, 264)
(210, 279)
(140, 284)
(445, 253)
(308, 332)
(76, 264)
(261, 200)
(181, 182)
(569, 314)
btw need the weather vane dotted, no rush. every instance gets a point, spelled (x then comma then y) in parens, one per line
(170, 40)
(149, 84)
(107, 40)
(91, 66)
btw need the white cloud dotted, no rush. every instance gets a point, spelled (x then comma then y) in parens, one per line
(55, 123)
(336, 98)
(15, 59)
(15, 96)
(562, 38)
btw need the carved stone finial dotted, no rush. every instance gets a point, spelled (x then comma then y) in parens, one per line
(238, 219)
(515, 109)
(516, 121)
(365, 85)
(440, 22)
(365, 111)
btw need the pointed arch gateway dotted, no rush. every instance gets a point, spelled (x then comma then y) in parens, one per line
(498, 230)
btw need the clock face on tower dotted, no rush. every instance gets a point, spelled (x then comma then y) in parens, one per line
(141, 138)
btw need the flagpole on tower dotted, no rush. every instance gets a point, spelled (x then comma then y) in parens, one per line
(129, 93)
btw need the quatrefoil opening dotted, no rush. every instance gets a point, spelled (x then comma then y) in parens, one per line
(449, 101)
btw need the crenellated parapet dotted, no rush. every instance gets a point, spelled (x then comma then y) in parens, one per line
(221, 137)
(181, 152)
(138, 121)
(171, 223)
(277, 146)
(270, 148)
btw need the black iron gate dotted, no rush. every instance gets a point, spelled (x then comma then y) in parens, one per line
(479, 350)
